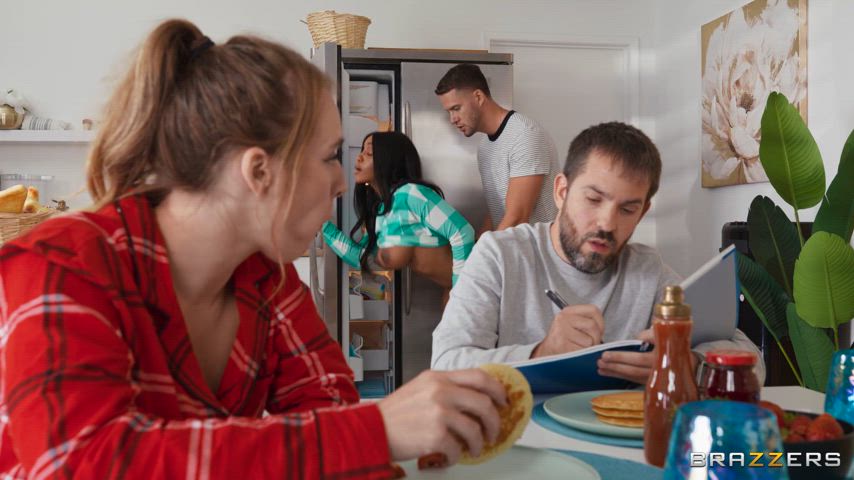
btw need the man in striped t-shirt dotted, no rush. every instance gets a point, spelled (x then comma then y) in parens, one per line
(517, 159)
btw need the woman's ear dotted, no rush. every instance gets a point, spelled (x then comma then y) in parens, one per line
(256, 168)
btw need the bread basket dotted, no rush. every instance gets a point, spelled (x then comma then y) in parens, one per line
(14, 224)
(345, 29)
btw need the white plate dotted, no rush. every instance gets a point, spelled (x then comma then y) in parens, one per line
(574, 410)
(518, 463)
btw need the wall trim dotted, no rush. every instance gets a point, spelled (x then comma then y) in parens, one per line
(627, 44)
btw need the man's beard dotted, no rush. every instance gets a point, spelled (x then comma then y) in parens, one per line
(475, 121)
(594, 262)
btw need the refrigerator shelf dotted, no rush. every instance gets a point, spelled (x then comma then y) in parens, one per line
(373, 386)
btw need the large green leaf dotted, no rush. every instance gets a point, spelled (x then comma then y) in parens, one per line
(773, 240)
(813, 350)
(824, 281)
(789, 154)
(765, 295)
(836, 214)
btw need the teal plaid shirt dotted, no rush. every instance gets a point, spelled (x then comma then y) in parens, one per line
(419, 217)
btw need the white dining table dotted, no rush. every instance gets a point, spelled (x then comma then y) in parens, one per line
(790, 398)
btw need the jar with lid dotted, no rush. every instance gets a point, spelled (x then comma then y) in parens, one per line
(729, 375)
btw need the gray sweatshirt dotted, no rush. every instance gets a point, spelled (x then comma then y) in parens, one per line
(498, 311)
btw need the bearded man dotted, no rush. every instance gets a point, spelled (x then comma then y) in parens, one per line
(498, 311)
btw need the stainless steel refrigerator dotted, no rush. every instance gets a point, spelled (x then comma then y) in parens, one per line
(396, 86)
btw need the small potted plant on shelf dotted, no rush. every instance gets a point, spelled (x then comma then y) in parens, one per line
(801, 288)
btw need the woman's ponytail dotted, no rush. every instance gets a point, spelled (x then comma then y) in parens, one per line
(122, 156)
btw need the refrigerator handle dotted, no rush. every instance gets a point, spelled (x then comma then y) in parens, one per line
(317, 292)
(407, 292)
(407, 120)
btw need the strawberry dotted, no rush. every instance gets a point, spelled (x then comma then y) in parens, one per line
(799, 425)
(824, 427)
(778, 412)
(794, 438)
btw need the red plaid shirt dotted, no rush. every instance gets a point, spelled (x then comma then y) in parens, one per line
(99, 379)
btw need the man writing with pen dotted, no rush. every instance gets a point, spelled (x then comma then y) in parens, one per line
(498, 311)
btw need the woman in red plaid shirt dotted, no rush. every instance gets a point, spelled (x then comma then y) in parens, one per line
(145, 338)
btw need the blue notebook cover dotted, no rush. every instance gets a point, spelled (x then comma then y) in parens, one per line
(712, 291)
(574, 372)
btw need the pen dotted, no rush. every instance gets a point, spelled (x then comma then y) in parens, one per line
(561, 304)
(556, 299)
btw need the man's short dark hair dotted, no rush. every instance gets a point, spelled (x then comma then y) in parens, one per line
(624, 144)
(463, 76)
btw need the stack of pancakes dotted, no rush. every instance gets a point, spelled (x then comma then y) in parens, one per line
(624, 409)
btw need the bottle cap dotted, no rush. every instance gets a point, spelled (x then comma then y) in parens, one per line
(731, 357)
(673, 304)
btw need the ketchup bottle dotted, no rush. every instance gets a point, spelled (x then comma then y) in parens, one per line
(671, 382)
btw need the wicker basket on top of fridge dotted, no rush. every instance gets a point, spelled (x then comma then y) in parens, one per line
(20, 211)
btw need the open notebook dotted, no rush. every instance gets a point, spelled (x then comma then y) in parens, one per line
(712, 291)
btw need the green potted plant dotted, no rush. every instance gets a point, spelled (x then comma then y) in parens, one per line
(801, 289)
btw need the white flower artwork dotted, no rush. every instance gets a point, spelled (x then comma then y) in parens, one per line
(747, 54)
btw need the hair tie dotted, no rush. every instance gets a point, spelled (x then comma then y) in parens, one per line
(202, 45)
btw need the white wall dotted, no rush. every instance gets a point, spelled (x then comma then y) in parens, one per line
(63, 53)
(67, 68)
(689, 217)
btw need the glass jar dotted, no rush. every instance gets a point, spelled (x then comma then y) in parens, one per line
(729, 375)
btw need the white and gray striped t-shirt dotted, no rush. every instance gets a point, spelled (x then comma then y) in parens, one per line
(520, 147)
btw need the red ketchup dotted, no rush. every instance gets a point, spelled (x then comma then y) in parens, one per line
(671, 382)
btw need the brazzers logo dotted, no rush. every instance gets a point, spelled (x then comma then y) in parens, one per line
(766, 459)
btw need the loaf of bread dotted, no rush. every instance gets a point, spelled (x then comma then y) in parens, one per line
(12, 199)
(31, 204)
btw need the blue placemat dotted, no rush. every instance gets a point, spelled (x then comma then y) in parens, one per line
(544, 420)
(612, 467)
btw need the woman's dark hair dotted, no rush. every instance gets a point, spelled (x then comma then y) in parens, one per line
(396, 163)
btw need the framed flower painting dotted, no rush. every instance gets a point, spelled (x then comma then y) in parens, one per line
(746, 54)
